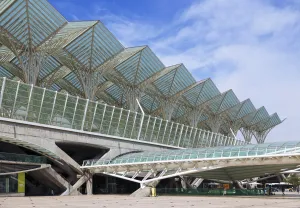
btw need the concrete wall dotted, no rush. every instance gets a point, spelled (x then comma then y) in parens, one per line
(38, 134)
(45, 137)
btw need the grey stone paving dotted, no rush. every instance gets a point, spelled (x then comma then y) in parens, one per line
(116, 201)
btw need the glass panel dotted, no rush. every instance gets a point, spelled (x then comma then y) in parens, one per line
(22, 101)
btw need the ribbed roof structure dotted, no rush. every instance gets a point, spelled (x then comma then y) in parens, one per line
(39, 46)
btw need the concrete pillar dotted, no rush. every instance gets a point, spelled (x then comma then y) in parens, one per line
(89, 185)
(183, 184)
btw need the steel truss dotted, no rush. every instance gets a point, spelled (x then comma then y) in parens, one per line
(149, 172)
(247, 133)
(28, 57)
(143, 178)
(216, 108)
(194, 116)
(42, 48)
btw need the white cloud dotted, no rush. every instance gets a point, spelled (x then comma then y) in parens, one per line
(133, 32)
(251, 46)
(269, 78)
(130, 32)
(255, 55)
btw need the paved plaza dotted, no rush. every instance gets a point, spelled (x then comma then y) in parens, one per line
(115, 201)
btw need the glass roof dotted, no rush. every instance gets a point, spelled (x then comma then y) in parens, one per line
(203, 117)
(41, 18)
(203, 153)
(5, 54)
(135, 65)
(149, 103)
(73, 79)
(179, 111)
(50, 66)
(222, 102)
(176, 80)
(116, 93)
(236, 113)
(204, 91)
(71, 31)
(110, 64)
(92, 46)
(5, 73)
(12, 68)
(245, 109)
(140, 67)
(268, 123)
(5, 4)
(256, 116)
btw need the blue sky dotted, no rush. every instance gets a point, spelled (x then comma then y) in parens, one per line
(250, 46)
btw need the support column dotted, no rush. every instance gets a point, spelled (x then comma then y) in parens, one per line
(132, 94)
(89, 184)
(183, 183)
(247, 133)
(194, 116)
(235, 127)
(2, 91)
(214, 122)
(261, 136)
(168, 107)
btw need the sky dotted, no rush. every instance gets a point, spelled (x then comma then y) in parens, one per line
(250, 46)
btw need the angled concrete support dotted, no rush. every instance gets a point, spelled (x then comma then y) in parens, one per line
(238, 184)
(145, 190)
(74, 188)
(65, 157)
(57, 179)
(188, 182)
(86, 178)
(197, 182)
(44, 146)
(142, 192)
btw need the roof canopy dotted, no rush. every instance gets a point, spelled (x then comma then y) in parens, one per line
(84, 58)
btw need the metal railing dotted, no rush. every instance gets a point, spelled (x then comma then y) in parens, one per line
(22, 158)
(34, 104)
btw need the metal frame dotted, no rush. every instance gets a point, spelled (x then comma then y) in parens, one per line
(179, 136)
(179, 167)
(142, 119)
(16, 96)
(29, 99)
(136, 71)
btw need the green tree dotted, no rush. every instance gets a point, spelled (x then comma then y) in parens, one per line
(293, 179)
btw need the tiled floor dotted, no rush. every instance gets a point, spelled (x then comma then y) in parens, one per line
(115, 201)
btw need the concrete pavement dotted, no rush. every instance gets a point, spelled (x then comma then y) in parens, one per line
(124, 201)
